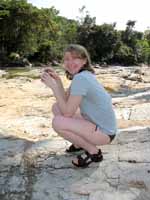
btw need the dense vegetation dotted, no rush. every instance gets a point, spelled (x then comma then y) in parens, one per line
(41, 35)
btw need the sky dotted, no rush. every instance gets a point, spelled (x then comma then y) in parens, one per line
(105, 11)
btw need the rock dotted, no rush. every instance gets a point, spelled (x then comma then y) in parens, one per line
(33, 162)
(2, 73)
(115, 195)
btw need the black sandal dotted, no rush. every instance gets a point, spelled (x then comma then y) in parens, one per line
(72, 149)
(85, 159)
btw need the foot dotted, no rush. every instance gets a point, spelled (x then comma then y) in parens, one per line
(86, 158)
(73, 148)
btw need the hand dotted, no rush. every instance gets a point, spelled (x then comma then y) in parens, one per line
(52, 73)
(49, 81)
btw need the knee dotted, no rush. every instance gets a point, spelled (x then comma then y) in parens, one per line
(57, 123)
(54, 108)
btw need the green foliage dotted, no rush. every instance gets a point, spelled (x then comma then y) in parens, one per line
(105, 38)
(41, 35)
(143, 51)
(147, 36)
(124, 55)
(99, 40)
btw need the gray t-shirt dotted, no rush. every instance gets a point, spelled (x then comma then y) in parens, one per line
(96, 105)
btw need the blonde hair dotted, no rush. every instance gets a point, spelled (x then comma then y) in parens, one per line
(83, 54)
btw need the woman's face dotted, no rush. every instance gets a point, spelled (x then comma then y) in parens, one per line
(73, 63)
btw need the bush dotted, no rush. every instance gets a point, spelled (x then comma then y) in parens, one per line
(124, 55)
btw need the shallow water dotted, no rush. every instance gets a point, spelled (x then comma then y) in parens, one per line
(30, 72)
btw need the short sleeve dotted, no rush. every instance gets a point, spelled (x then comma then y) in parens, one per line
(79, 85)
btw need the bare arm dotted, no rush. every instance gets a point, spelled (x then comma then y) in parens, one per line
(68, 106)
(67, 93)
(58, 80)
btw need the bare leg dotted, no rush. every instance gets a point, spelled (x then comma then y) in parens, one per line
(56, 111)
(78, 141)
(80, 132)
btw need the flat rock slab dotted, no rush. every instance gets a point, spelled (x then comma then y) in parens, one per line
(42, 170)
(33, 162)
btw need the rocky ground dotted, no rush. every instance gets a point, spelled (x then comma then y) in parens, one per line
(33, 162)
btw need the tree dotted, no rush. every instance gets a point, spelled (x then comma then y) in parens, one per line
(130, 37)
(24, 28)
(143, 49)
(123, 54)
